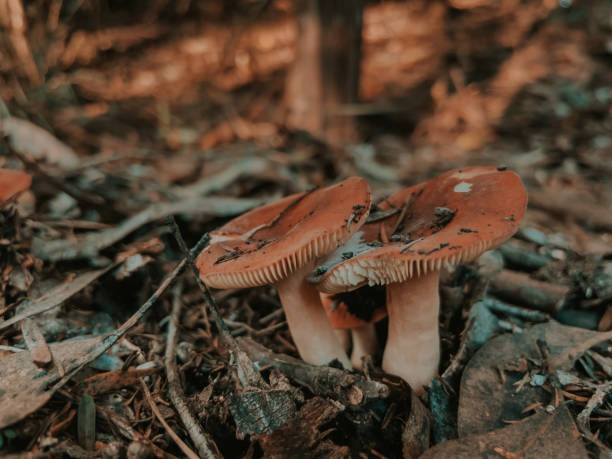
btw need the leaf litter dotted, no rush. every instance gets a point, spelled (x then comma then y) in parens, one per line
(205, 143)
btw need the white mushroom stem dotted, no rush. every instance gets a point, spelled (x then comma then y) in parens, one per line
(413, 343)
(364, 343)
(312, 333)
(344, 337)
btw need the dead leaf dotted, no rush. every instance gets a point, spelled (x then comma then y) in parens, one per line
(539, 436)
(54, 297)
(489, 395)
(25, 387)
(35, 342)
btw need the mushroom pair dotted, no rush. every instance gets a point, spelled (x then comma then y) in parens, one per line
(278, 244)
(448, 220)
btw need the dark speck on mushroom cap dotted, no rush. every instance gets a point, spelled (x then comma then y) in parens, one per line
(487, 201)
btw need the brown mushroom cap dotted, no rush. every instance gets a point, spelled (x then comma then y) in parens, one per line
(13, 182)
(450, 219)
(267, 244)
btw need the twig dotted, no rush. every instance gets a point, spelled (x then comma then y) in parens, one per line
(223, 179)
(521, 313)
(181, 444)
(345, 387)
(199, 438)
(90, 244)
(79, 195)
(407, 205)
(583, 418)
(244, 366)
(89, 355)
(571, 354)
(584, 211)
(519, 288)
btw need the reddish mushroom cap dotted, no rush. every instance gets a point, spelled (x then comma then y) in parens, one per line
(450, 219)
(341, 316)
(13, 182)
(267, 244)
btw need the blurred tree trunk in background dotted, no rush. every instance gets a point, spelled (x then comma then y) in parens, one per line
(325, 74)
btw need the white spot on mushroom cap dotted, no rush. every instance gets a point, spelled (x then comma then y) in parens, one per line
(463, 187)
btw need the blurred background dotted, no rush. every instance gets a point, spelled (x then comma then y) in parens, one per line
(157, 92)
(395, 88)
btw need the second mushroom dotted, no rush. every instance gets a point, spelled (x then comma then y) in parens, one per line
(448, 220)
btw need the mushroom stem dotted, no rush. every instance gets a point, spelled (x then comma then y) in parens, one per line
(344, 337)
(413, 344)
(312, 333)
(364, 343)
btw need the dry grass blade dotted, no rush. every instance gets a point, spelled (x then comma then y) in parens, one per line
(199, 437)
(181, 444)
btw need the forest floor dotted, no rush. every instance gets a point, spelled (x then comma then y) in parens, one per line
(108, 343)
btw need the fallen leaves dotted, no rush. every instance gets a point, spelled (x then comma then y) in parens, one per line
(542, 435)
(490, 396)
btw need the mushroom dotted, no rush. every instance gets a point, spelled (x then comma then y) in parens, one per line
(448, 220)
(357, 311)
(12, 183)
(278, 244)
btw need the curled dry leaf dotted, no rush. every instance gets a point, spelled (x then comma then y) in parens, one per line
(491, 393)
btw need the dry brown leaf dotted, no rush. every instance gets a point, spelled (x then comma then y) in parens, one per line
(487, 401)
(25, 387)
(54, 297)
(540, 436)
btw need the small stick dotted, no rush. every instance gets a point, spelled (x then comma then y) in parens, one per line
(79, 195)
(181, 444)
(244, 366)
(347, 388)
(407, 204)
(198, 436)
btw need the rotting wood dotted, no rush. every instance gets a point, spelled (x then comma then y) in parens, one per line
(301, 436)
(347, 388)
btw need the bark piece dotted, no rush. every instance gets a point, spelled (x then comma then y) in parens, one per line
(36, 343)
(261, 411)
(301, 437)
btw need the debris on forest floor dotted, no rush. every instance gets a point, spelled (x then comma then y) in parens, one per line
(98, 357)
